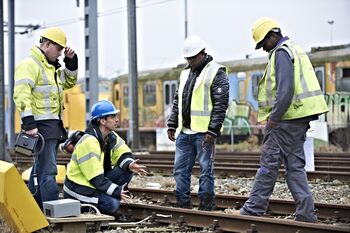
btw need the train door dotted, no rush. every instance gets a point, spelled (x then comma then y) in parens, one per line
(319, 70)
(169, 89)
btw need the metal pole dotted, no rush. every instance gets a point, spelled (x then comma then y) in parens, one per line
(11, 69)
(133, 136)
(2, 85)
(91, 55)
(186, 25)
(331, 22)
(232, 139)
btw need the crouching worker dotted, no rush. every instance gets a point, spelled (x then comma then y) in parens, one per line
(102, 164)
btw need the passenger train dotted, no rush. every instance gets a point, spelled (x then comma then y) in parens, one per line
(156, 90)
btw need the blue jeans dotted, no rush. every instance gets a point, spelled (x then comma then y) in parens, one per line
(108, 204)
(188, 148)
(45, 170)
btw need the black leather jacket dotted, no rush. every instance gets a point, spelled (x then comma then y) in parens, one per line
(219, 93)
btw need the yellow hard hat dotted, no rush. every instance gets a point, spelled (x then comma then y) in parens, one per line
(261, 27)
(56, 35)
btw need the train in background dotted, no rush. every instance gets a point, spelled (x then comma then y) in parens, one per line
(156, 91)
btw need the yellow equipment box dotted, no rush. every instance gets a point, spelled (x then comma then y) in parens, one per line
(17, 205)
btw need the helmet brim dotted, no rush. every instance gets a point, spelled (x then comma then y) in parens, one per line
(260, 44)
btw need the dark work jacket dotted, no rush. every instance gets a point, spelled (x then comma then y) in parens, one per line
(219, 93)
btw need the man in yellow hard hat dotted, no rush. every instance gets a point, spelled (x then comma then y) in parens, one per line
(38, 89)
(289, 98)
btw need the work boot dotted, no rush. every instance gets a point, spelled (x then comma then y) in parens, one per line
(207, 203)
(185, 204)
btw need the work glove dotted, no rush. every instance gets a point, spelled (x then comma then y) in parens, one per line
(171, 135)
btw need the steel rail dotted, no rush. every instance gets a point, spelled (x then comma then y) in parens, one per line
(227, 222)
(276, 206)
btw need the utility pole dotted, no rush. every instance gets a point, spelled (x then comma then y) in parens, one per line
(91, 55)
(2, 85)
(331, 22)
(186, 24)
(133, 138)
(11, 69)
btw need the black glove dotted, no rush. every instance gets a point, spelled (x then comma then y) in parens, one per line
(71, 64)
(171, 134)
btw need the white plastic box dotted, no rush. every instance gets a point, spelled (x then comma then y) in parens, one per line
(62, 208)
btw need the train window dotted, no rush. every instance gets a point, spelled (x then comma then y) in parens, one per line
(343, 84)
(319, 76)
(241, 89)
(149, 94)
(346, 72)
(116, 95)
(167, 94)
(173, 90)
(126, 96)
(255, 83)
(343, 81)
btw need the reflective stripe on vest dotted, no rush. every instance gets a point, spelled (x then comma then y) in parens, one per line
(80, 197)
(86, 161)
(111, 189)
(45, 91)
(118, 150)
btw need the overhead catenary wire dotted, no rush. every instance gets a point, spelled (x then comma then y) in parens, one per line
(104, 13)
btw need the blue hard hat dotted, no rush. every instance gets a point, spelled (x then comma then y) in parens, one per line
(103, 108)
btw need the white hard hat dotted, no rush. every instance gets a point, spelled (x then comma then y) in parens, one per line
(193, 45)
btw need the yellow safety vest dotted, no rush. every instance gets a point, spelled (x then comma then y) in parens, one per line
(308, 98)
(201, 104)
(36, 92)
(87, 159)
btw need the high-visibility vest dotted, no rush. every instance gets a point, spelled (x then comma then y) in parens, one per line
(201, 104)
(308, 98)
(87, 159)
(36, 92)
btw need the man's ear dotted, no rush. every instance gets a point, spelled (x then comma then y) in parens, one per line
(102, 121)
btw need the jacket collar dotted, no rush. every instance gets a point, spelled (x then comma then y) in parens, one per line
(279, 43)
(39, 54)
(199, 68)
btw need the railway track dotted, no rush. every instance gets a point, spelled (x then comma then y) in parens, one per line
(223, 222)
(276, 206)
(328, 166)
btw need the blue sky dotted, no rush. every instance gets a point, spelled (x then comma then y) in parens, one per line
(224, 24)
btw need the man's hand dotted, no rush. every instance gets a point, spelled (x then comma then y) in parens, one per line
(69, 52)
(271, 124)
(171, 135)
(138, 169)
(32, 132)
(208, 138)
(125, 195)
